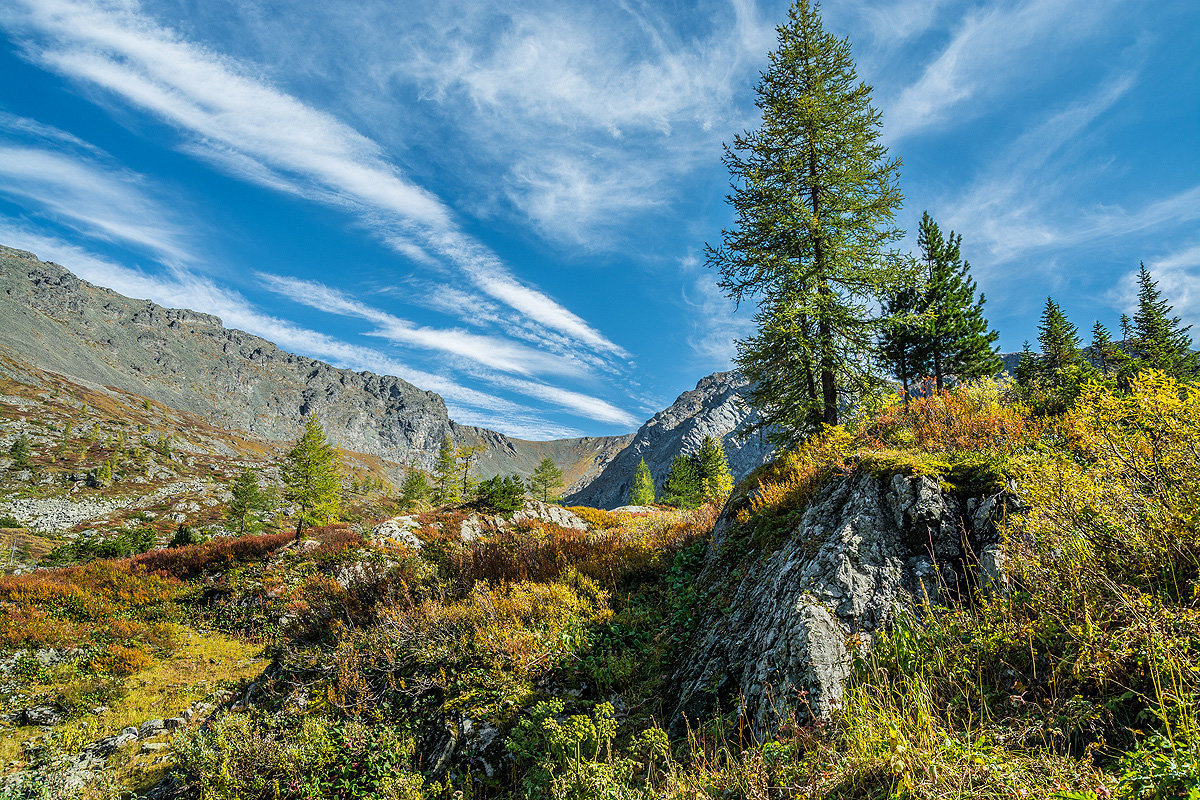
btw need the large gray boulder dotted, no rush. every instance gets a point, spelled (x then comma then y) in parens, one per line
(776, 642)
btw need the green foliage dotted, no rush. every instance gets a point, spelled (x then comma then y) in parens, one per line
(186, 535)
(414, 489)
(9, 521)
(122, 545)
(445, 487)
(545, 478)
(249, 501)
(19, 452)
(1052, 379)
(683, 487)
(716, 481)
(310, 477)
(641, 493)
(814, 194)
(1159, 340)
(502, 493)
(572, 759)
(243, 757)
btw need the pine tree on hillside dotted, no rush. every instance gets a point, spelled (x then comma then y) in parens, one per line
(310, 477)
(1103, 352)
(445, 473)
(414, 489)
(815, 194)
(19, 452)
(716, 481)
(683, 487)
(960, 342)
(545, 478)
(904, 340)
(1027, 366)
(1055, 377)
(1159, 340)
(248, 501)
(465, 458)
(642, 491)
(1059, 341)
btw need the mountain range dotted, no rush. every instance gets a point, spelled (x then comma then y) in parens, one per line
(189, 361)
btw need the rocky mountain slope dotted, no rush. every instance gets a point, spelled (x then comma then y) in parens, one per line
(714, 408)
(191, 362)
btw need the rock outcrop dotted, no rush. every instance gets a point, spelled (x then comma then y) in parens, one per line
(776, 642)
(714, 408)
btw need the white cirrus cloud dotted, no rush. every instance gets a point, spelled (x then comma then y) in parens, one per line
(262, 134)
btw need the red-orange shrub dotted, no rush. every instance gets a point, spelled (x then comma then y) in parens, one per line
(211, 556)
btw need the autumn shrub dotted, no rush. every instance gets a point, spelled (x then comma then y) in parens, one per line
(980, 415)
(211, 556)
(481, 653)
(598, 519)
(102, 602)
(116, 659)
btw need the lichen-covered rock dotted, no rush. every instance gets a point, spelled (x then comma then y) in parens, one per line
(777, 641)
(399, 529)
(536, 510)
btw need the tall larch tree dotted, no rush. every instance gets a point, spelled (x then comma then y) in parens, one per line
(1159, 340)
(959, 342)
(311, 479)
(814, 194)
(641, 493)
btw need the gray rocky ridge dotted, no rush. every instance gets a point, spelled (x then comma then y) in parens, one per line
(865, 549)
(714, 408)
(190, 361)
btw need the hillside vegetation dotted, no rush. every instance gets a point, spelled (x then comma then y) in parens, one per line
(535, 661)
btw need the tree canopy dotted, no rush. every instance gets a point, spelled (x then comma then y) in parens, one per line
(814, 194)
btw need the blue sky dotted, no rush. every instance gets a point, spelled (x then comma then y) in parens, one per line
(508, 203)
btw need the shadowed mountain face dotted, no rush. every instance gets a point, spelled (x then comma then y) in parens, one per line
(714, 408)
(189, 361)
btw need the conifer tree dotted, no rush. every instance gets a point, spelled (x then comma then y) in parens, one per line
(716, 481)
(641, 493)
(959, 341)
(1027, 366)
(1059, 341)
(247, 503)
(19, 452)
(683, 487)
(1055, 377)
(1159, 341)
(814, 194)
(904, 339)
(414, 488)
(445, 472)
(465, 458)
(1103, 352)
(545, 478)
(310, 477)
